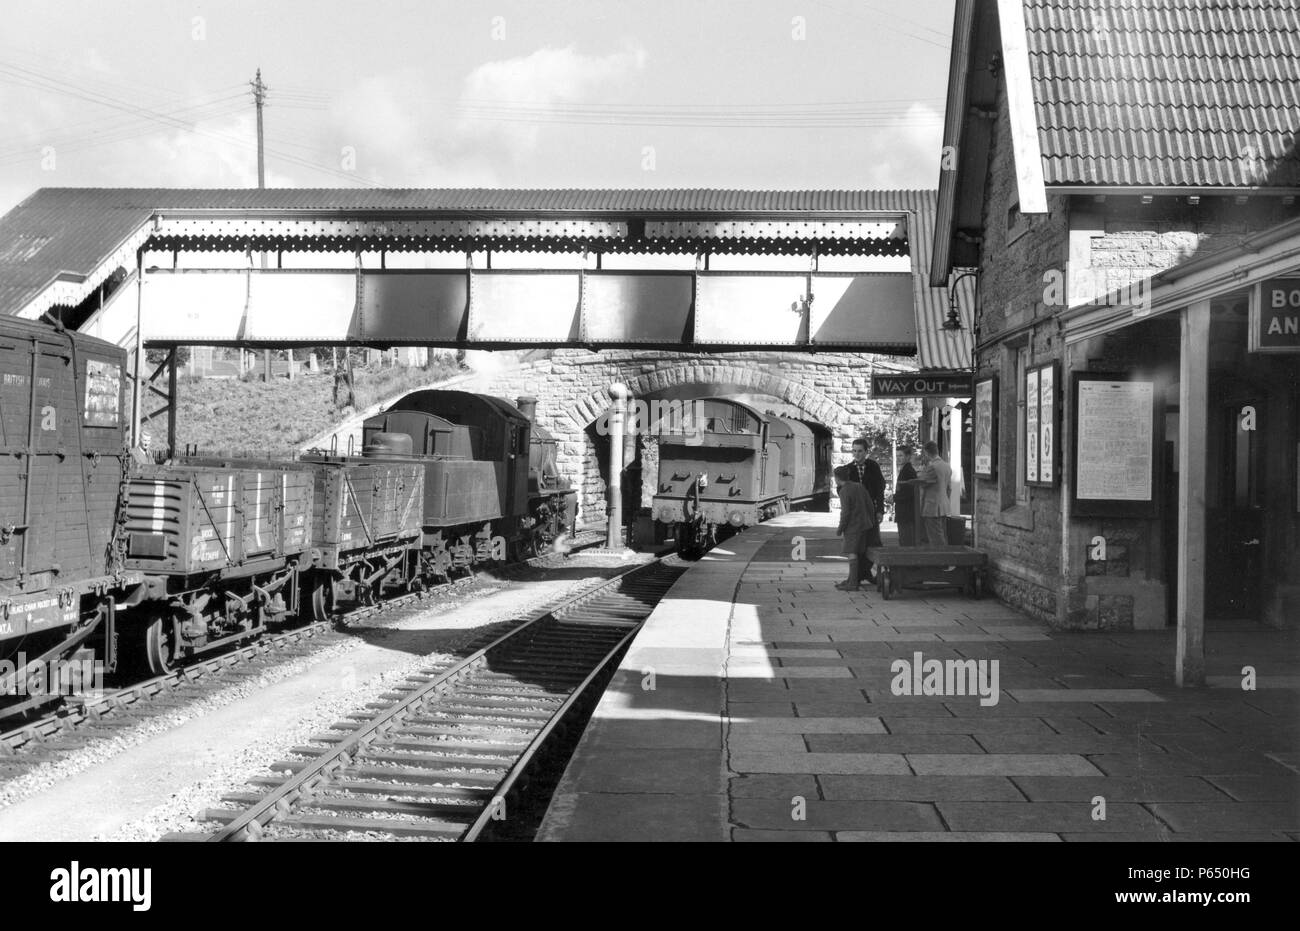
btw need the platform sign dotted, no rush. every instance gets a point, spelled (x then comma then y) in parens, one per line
(923, 385)
(1275, 316)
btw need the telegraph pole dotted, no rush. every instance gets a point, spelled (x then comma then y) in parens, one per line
(259, 98)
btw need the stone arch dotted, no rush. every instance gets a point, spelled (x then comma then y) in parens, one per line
(830, 388)
(728, 378)
(694, 378)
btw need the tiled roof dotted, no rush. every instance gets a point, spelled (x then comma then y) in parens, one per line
(1186, 93)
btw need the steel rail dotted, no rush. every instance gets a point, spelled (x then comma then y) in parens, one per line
(536, 745)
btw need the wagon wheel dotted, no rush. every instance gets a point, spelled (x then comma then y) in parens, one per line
(534, 543)
(159, 645)
(322, 598)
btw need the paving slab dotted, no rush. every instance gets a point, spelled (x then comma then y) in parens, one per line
(782, 762)
(817, 815)
(928, 837)
(1229, 816)
(747, 835)
(921, 788)
(1053, 817)
(765, 785)
(1119, 789)
(845, 725)
(1000, 764)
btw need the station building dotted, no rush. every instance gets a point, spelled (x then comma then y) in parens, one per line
(1121, 179)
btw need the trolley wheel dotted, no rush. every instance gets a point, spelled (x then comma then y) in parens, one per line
(159, 646)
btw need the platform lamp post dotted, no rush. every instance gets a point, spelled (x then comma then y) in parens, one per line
(617, 409)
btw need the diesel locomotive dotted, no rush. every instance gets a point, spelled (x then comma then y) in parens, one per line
(724, 465)
(107, 556)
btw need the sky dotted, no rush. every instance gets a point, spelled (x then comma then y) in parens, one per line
(434, 93)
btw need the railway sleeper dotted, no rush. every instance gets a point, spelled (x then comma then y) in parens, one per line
(446, 778)
(502, 748)
(481, 717)
(392, 788)
(489, 764)
(424, 809)
(445, 830)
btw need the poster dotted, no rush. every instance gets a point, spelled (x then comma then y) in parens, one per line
(103, 394)
(1031, 426)
(1046, 424)
(985, 405)
(1115, 441)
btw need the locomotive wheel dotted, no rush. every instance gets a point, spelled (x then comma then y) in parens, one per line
(159, 646)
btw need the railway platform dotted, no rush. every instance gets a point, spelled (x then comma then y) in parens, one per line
(758, 704)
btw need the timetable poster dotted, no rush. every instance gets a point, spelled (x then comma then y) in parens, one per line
(1046, 424)
(1114, 451)
(985, 406)
(1031, 426)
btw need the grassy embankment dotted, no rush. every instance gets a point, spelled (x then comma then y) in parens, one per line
(232, 416)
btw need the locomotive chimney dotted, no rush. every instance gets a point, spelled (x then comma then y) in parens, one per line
(528, 407)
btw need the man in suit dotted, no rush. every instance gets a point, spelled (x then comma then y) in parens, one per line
(867, 472)
(857, 517)
(935, 480)
(905, 498)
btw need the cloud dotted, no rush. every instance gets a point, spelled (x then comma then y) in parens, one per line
(404, 133)
(218, 153)
(539, 81)
(907, 153)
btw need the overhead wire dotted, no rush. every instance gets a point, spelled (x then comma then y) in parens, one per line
(45, 81)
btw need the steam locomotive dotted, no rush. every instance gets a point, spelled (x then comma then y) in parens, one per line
(104, 556)
(724, 465)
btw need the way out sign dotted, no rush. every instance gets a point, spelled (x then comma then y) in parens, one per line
(924, 385)
(1275, 316)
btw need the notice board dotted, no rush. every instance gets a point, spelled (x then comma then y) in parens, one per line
(1116, 446)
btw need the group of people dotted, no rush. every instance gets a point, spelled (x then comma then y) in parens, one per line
(861, 488)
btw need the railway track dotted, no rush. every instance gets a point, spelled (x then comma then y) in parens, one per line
(69, 724)
(449, 754)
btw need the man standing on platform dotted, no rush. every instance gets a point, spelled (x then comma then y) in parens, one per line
(905, 498)
(935, 480)
(867, 473)
(857, 515)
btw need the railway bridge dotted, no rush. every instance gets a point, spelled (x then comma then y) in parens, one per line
(571, 388)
